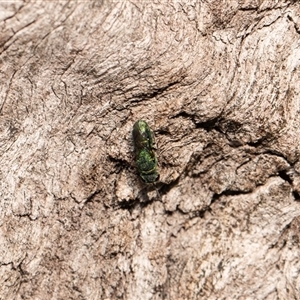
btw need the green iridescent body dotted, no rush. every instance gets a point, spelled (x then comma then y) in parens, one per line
(142, 136)
(146, 161)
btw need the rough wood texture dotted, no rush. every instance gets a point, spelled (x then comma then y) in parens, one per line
(218, 81)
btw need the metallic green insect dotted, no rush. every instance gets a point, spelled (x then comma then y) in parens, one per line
(142, 136)
(146, 160)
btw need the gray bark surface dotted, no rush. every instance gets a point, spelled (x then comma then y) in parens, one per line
(218, 82)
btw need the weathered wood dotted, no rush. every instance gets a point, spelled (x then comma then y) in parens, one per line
(218, 82)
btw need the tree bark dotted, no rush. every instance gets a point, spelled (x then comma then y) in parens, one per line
(218, 83)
